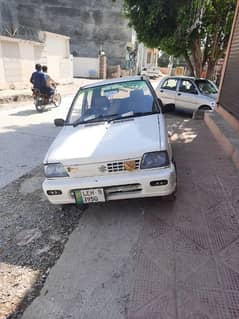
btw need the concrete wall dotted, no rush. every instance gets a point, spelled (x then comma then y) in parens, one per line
(2, 73)
(11, 61)
(18, 58)
(57, 56)
(27, 60)
(16, 62)
(90, 24)
(86, 67)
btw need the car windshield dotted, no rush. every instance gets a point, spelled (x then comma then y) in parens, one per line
(112, 101)
(206, 87)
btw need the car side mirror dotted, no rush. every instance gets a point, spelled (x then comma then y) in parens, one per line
(59, 122)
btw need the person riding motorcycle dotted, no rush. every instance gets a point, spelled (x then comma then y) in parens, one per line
(50, 86)
(38, 78)
(44, 89)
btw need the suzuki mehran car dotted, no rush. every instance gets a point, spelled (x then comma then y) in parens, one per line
(187, 94)
(113, 145)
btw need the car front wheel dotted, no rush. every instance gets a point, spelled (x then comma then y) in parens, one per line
(205, 108)
(171, 197)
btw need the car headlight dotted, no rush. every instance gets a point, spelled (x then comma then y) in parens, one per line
(55, 170)
(155, 159)
(213, 104)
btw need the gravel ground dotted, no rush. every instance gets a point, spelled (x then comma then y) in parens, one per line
(33, 234)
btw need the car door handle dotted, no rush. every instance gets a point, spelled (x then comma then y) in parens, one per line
(179, 94)
(161, 91)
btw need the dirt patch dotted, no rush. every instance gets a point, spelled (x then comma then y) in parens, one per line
(32, 237)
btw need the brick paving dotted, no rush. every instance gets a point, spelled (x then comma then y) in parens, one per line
(187, 263)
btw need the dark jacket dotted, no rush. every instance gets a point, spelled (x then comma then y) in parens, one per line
(38, 80)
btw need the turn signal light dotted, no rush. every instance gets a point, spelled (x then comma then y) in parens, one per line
(159, 183)
(54, 192)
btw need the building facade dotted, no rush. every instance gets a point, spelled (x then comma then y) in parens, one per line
(229, 93)
(18, 57)
(92, 25)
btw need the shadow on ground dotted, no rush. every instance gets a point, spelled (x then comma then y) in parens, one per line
(134, 259)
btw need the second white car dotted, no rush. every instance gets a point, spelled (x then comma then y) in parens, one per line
(187, 93)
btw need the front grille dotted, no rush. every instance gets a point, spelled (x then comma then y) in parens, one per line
(120, 166)
(122, 189)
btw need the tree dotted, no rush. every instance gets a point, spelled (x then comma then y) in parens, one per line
(198, 30)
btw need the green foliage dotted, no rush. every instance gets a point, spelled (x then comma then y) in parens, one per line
(163, 60)
(196, 29)
(152, 19)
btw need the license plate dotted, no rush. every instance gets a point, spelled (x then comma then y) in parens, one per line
(84, 196)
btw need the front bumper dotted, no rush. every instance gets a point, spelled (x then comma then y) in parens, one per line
(119, 186)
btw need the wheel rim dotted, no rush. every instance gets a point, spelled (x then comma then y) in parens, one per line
(39, 105)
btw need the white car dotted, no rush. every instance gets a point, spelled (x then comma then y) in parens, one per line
(187, 93)
(152, 72)
(113, 145)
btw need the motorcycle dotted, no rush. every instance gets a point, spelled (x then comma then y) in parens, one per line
(41, 100)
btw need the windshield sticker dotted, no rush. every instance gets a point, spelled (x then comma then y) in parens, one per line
(111, 92)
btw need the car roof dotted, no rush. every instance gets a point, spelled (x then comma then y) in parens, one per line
(183, 77)
(115, 80)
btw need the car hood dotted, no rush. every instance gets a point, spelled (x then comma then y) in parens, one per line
(100, 142)
(211, 96)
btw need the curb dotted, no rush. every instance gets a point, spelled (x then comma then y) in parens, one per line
(27, 97)
(225, 135)
(15, 98)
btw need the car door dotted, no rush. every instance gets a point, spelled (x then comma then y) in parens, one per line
(186, 96)
(167, 91)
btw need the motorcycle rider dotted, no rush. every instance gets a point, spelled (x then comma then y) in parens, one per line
(49, 89)
(38, 78)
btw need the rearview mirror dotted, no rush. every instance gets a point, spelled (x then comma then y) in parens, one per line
(59, 122)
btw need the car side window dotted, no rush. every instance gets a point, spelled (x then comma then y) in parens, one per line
(82, 103)
(187, 86)
(170, 84)
(76, 111)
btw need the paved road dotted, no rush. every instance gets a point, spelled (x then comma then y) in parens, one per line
(151, 259)
(129, 259)
(25, 137)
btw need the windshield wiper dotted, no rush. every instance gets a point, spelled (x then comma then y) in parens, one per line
(115, 117)
(133, 114)
(100, 118)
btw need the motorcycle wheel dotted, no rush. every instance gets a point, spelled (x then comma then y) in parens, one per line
(39, 104)
(57, 99)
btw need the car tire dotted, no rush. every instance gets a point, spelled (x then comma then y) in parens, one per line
(170, 198)
(39, 104)
(205, 108)
(168, 108)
